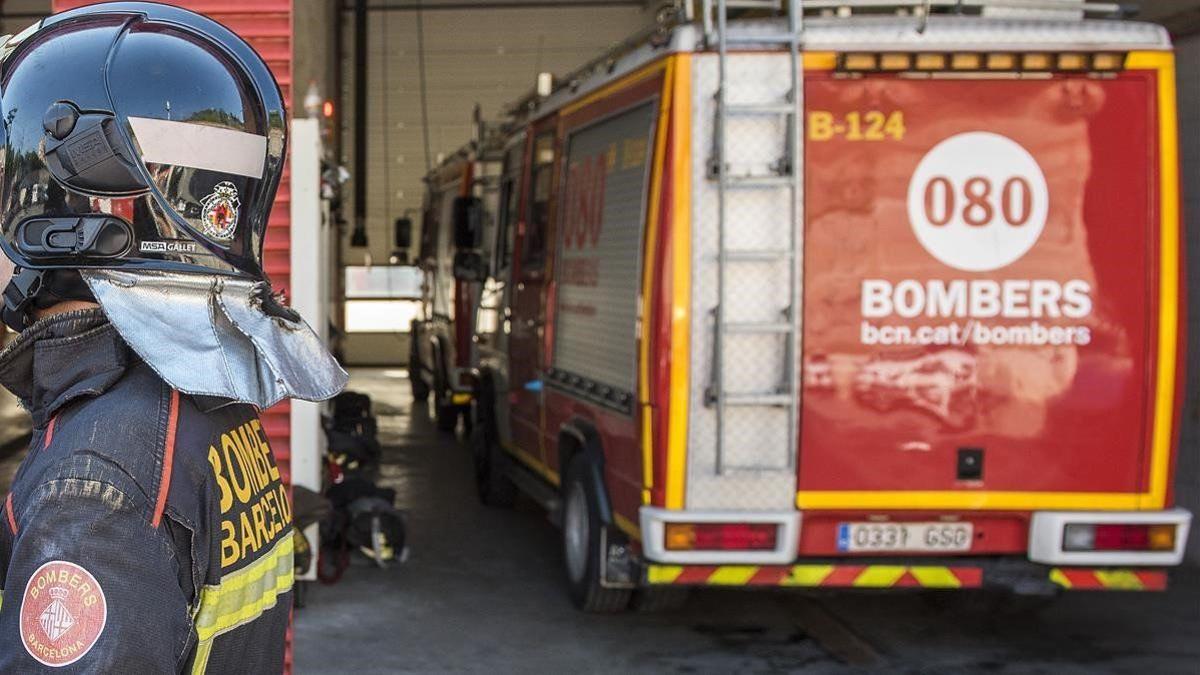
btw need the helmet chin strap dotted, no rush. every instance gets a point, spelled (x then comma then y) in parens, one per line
(32, 289)
(18, 297)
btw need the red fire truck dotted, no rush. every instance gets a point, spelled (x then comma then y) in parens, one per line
(856, 296)
(461, 189)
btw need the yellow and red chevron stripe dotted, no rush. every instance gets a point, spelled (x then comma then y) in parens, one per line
(1077, 579)
(824, 576)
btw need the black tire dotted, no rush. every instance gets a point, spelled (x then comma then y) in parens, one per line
(445, 415)
(420, 390)
(660, 599)
(493, 485)
(467, 420)
(581, 536)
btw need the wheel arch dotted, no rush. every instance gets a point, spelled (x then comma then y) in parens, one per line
(579, 440)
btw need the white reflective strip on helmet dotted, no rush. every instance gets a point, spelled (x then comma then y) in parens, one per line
(200, 146)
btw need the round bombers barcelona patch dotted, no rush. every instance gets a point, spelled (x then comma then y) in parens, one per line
(219, 211)
(63, 613)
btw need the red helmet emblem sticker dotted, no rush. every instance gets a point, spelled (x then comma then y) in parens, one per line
(63, 613)
(219, 211)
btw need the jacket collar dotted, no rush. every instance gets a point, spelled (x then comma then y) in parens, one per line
(61, 358)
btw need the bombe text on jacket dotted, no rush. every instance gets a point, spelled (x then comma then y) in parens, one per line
(253, 500)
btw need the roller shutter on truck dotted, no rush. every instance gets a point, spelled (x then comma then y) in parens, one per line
(987, 263)
(597, 269)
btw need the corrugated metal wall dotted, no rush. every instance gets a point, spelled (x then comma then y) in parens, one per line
(1188, 481)
(267, 26)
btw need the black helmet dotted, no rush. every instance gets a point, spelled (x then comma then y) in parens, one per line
(137, 136)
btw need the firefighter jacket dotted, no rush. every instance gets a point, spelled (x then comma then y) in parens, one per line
(147, 531)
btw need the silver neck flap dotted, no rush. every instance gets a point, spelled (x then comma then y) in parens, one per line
(208, 335)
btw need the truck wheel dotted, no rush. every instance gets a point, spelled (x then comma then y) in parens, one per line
(467, 419)
(581, 545)
(494, 486)
(420, 390)
(660, 599)
(445, 415)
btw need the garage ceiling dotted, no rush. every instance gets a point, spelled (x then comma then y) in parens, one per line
(1158, 9)
(1181, 16)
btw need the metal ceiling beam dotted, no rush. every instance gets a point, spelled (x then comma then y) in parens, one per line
(359, 176)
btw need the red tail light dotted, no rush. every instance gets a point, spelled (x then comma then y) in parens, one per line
(1118, 537)
(1122, 537)
(721, 536)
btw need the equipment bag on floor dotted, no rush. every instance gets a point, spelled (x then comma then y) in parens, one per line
(364, 519)
(352, 434)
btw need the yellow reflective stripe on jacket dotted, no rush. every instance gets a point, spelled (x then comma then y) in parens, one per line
(242, 597)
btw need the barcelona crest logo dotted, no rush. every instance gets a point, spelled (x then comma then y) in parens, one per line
(219, 211)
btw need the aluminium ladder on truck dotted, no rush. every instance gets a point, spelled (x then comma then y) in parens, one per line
(756, 408)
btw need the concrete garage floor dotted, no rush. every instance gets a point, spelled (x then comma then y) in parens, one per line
(482, 592)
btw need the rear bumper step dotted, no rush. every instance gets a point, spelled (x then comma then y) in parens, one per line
(817, 576)
(1008, 574)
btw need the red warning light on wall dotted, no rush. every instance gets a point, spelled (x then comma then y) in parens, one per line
(327, 109)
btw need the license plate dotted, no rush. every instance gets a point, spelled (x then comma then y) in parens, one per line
(951, 537)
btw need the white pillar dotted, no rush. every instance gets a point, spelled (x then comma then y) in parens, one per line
(309, 296)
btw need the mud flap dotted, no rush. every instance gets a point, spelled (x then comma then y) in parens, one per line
(620, 569)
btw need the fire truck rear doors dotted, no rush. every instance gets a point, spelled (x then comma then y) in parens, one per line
(982, 261)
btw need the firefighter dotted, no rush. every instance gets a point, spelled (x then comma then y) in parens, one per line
(148, 530)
